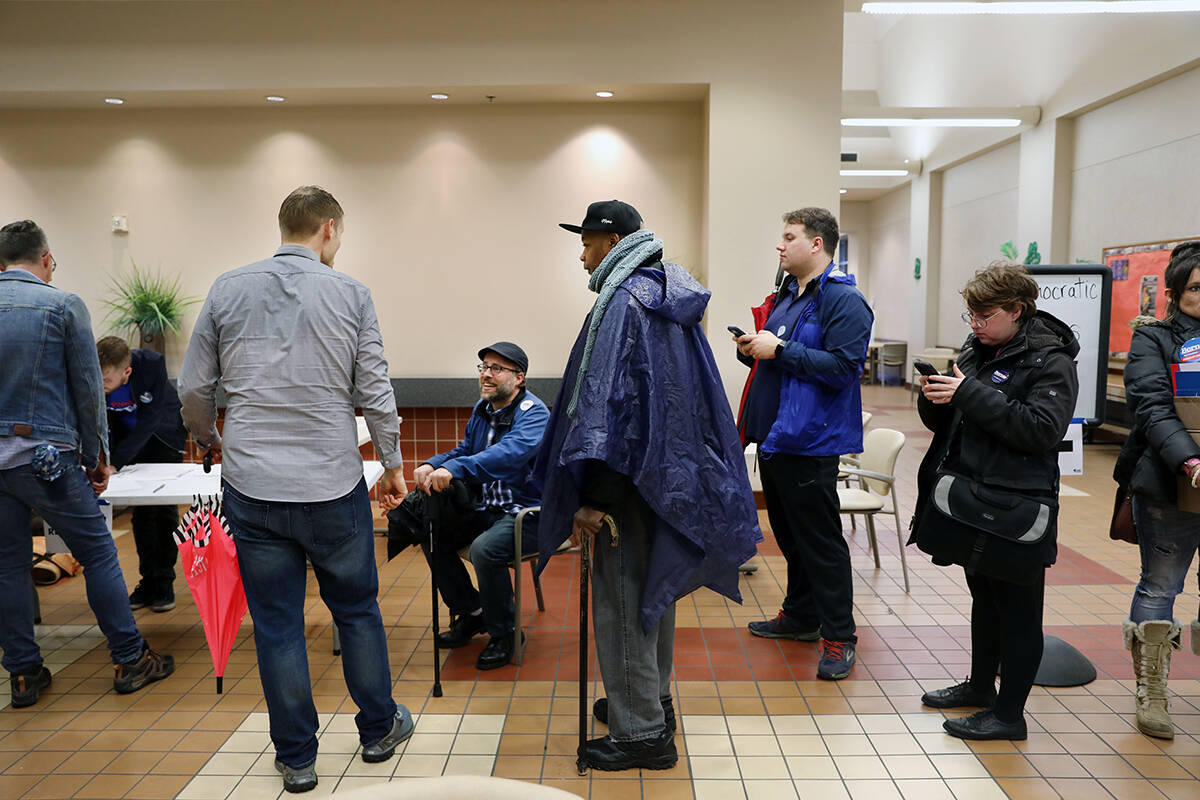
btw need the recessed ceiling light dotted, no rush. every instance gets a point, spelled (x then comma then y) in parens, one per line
(439, 96)
(114, 101)
(841, 191)
(605, 94)
(275, 98)
(1051, 7)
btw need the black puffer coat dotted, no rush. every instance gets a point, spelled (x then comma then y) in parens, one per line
(1014, 409)
(1151, 400)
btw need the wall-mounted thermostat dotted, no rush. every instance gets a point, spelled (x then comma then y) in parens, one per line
(120, 223)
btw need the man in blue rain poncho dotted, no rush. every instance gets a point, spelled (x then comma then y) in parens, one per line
(642, 445)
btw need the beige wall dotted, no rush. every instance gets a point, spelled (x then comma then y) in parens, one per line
(892, 286)
(768, 137)
(452, 214)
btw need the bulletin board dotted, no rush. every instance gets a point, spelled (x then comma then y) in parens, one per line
(1138, 287)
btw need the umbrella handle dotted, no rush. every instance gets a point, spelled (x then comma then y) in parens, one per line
(208, 459)
(220, 679)
(585, 552)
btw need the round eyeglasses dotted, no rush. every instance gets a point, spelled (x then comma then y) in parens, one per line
(978, 322)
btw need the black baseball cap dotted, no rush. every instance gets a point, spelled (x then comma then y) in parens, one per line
(509, 351)
(608, 215)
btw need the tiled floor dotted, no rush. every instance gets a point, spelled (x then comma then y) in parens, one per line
(754, 722)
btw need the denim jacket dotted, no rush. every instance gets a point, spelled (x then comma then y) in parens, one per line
(50, 385)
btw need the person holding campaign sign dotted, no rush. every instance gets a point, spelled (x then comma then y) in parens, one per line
(988, 488)
(1168, 464)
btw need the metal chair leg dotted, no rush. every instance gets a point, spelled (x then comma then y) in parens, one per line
(871, 537)
(537, 589)
(900, 541)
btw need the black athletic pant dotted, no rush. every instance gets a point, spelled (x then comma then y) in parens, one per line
(153, 526)
(1006, 635)
(802, 506)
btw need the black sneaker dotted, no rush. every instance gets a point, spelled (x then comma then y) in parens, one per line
(140, 597)
(600, 711)
(146, 668)
(783, 627)
(462, 630)
(959, 696)
(836, 660)
(611, 756)
(983, 725)
(164, 602)
(26, 687)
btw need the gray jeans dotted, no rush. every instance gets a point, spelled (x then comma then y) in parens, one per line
(634, 664)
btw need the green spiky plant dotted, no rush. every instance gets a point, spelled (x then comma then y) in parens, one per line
(151, 304)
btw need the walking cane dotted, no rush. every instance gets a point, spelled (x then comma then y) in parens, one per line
(585, 554)
(433, 507)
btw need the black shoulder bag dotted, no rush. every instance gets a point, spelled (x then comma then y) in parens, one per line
(989, 530)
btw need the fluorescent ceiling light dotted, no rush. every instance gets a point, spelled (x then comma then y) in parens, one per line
(439, 96)
(932, 122)
(604, 94)
(1037, 7)
(275, 98)
(841, 191)
(114, 101)
(873, 173)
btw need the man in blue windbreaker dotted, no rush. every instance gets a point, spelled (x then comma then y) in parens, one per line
(494, 460)
(804, 408)
(641, 452)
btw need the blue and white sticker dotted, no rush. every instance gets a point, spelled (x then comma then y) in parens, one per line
(782, 329)
(1189, 350)
(526, 405)
(146, 397)
(999, 376)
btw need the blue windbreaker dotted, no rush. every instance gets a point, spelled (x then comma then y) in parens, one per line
(820, 402)
(652, 408)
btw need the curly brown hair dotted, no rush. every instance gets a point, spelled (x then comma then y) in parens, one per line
(1002, 285)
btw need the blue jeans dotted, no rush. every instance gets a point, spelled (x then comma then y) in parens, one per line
(69, 505)
(1168, 539)
(273, 539)
(491, 553)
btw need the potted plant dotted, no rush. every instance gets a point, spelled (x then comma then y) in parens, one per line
(150, 303)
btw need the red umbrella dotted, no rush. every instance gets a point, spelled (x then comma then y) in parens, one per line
(210, 565)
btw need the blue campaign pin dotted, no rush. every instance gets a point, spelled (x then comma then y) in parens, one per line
(1189, 350)
(146, 397)
(999, 376)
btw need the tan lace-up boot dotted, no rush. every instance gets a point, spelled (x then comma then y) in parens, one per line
(1151, 643)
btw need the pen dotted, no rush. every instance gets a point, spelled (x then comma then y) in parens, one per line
(156, 488)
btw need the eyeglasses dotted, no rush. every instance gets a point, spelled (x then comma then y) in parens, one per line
(53, 263)
(978, 322)
(495, 369)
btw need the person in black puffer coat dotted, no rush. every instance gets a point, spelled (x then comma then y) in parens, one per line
(998, 421)
(1162, 452)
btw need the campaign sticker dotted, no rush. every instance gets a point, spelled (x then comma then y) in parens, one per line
(782, 328)
(1189, 350)
(999, 376)
(146, 397)
(526, 405)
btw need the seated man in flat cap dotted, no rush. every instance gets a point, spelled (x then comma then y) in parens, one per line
(494, 460)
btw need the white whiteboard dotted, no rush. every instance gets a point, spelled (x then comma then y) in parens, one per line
(1080, 296)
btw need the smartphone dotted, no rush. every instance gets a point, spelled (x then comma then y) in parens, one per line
(735, 330)
(925, 368)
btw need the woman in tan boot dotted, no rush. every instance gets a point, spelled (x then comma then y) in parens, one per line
(1169, 463)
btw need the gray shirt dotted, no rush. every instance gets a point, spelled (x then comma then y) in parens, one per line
(295, 346)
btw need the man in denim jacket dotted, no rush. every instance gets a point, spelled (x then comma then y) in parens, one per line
(52, 420)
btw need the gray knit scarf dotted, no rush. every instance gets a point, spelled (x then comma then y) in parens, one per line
(626, 256)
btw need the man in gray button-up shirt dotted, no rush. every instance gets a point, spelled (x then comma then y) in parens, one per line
(296, 346)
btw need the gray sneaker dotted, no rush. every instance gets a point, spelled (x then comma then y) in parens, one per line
(303, 779)
(386, 747)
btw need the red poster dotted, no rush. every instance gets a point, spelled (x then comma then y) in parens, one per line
(1138, 285)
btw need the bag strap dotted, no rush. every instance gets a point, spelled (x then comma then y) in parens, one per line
(976, 553)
